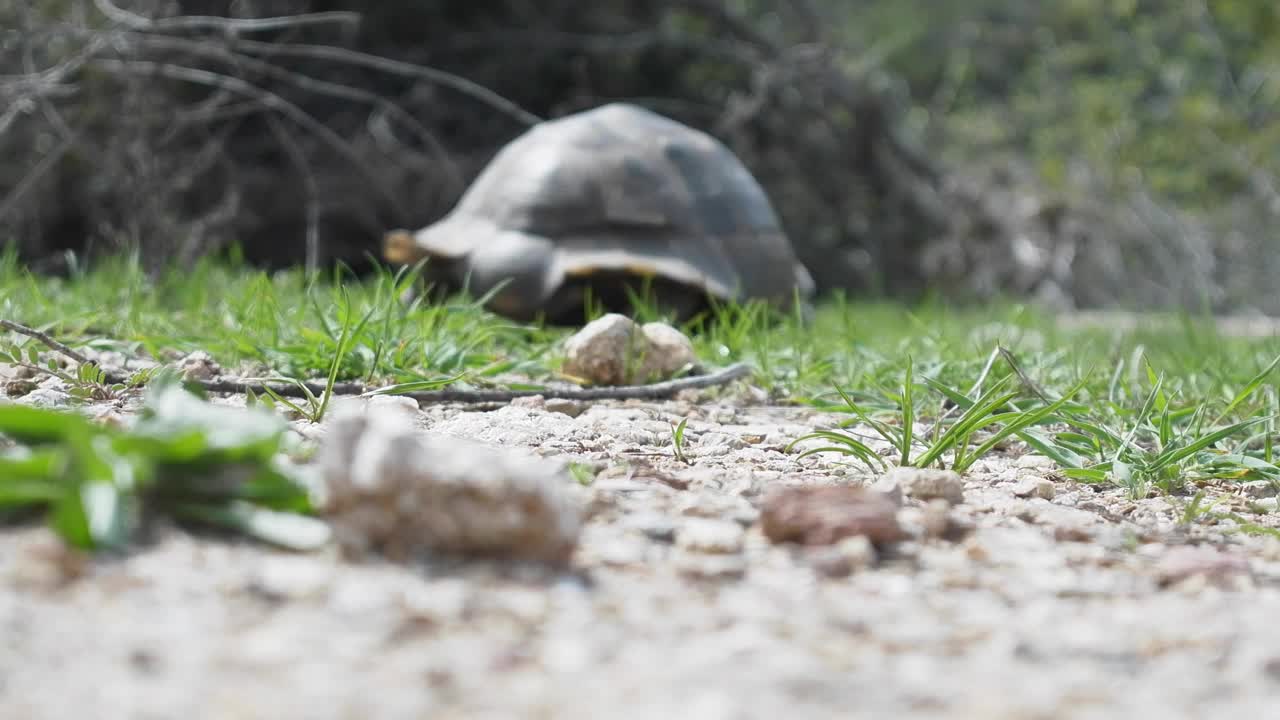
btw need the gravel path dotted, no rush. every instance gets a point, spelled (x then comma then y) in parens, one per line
(1031, 598)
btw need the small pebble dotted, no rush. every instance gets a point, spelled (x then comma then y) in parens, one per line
(1203, 566)
(356, 597)
(890, 486)
(627, 550)
(817, 515)
(395, 402)
(438, 602)
(1034, 487)
(525, 604)
(1035, 462)
(533, 402)
(1266, 504)
(19, 387)
(927, 484)
(668, 351)
(1258, 489)
(709, 505)
(572, 408)
(1271, 669)
(710, 567)
(653, 525)
(719, 439)
(47, 397)
(713, 537)
(292, 578)
(199, 365)
(846, 557)
(936, 518)
(613, 350)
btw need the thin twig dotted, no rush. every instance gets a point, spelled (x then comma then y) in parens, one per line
(396, 67)
(268, 99)
(311, 260)
(227, 25)
(46, 339)
(612, 392)
(310, 84)
(46, 163)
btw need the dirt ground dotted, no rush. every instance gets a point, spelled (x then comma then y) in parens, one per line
(1046, 600)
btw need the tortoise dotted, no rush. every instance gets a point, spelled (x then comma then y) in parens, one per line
(603, 200)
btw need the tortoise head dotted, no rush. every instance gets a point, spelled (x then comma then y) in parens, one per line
(398, 247)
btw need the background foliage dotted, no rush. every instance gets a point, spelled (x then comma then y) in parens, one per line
(1083, 152)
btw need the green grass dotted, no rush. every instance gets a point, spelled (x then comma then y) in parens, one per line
(1156, 410)
(677, 440)
(100, 487)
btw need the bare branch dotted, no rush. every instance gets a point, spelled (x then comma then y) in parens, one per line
(724, 17)
(227, 25)
(29, 64)
(395, 67)
(320, 87)
(299, 160)
(270, 100)
(29, 181)
(46, 339)
(58, 73)
(602, 43)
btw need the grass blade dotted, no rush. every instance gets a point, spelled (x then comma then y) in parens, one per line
(908, 417)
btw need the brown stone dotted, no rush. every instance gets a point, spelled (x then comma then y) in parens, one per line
(826, 515)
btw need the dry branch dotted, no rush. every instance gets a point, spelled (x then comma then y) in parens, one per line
(320, 87)
(268, 99)
(228, 26)
(299, 159)
(396, 67)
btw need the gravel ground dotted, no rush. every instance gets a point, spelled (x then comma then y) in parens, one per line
(1030, 598)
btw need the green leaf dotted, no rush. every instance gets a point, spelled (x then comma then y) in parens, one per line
(960, 399)
(178, 421)
(107, 513)
(70, 521)
(33, 425)
(43, 464)
(1089, 475)
(287, 530)
(1019, 423)
(1248, 390)
(908, 416)
(889, 433)
(845, 445)
(1121, 471)
(428, 385)
(1175, 455)
(971, 421)
(18, 492)
(1063, 456)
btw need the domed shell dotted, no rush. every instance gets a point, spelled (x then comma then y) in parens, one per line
(621, 188)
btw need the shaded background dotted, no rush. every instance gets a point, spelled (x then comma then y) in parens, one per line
(1081, 153)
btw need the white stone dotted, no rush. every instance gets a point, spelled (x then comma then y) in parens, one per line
(927, 484)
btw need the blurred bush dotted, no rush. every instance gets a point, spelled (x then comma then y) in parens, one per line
(1082, 152)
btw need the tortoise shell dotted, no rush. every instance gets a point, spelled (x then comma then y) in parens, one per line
(599, 198)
